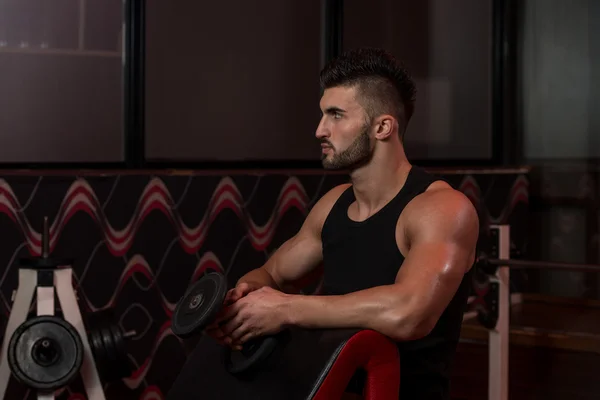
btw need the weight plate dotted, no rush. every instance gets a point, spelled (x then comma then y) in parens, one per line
(112, 358)
(252, 355)
(45, 353)
(99, 353)
(123, 365)
(200, 305)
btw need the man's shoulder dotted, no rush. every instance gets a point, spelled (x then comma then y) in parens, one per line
(440, 196)
(441, 206)
(319, 212)
(331, 196)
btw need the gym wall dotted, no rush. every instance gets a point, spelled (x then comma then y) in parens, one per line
(139, 240)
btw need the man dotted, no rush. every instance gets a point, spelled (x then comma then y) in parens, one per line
(396, 244)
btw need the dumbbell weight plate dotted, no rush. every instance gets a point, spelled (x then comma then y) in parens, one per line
(200, 305)
(252, 355)
(112, 358)
(100, 358)
(123, 369)
(110, 352)
(45, 353)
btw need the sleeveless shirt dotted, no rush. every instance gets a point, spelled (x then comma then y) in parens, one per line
(361, 255)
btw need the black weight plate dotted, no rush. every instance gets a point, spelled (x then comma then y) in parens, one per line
(99, 353)
(199, 306)
(253, 354)
(123, 366)
(45, 353)
(112, 356)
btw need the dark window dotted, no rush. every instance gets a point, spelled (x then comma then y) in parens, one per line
(61, 81)
(447, 46)
(233, 80)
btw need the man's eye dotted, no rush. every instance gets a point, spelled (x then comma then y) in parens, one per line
(337, 115)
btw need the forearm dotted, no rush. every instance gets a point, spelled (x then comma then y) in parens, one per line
(380, 309)
(258, 278)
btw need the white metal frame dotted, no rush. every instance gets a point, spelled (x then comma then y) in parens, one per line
(498, 342)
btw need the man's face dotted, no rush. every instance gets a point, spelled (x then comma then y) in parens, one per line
(343, 130)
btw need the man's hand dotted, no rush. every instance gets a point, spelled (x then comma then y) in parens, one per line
(261, 312)
(238, 292)
(214, 330)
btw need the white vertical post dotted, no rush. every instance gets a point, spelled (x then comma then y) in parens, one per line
(499, 336)
(18, 314)
(72, 314)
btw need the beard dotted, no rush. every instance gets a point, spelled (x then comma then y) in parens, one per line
(357, 154)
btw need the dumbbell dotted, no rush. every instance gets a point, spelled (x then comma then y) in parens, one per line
(199, 307)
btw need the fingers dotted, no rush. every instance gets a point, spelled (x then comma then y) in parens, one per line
(237, 293)
(216, 333)
(238, 333)
(230, 333)
(231, 305)
(217, 329)
(219, 336)
(226, 313)
(233, 328)
(238, 343)
(224, 322)
(231, 325)
(227, 326)
(232, 296)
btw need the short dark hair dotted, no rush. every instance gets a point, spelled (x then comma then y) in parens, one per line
(384, 83)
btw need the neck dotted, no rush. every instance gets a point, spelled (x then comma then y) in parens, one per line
(376, 183)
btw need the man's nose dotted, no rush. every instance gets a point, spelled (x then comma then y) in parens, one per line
(322, 131)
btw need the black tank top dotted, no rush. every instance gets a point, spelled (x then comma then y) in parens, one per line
(361, 255)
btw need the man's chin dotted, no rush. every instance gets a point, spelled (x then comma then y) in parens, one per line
(328, 165)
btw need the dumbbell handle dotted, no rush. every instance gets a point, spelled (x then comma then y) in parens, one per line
(45, 238)
(129, 334)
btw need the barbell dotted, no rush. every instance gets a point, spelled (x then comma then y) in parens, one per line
(489, 264)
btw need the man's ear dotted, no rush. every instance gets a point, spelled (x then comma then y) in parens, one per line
(384, 127)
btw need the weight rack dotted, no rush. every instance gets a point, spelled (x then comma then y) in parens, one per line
(45, 277)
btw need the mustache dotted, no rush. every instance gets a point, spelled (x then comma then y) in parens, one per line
(326, 142)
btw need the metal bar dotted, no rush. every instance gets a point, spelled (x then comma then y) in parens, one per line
(332, 15)
(45, 238)
(522, 264)
(498, 77)
(499, 336)
(81, 33)
(134, 82)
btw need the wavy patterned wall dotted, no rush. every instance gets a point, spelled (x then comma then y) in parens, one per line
(139, 240)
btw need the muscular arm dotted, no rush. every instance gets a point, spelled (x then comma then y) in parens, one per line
(441, 229)
(299, 255)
